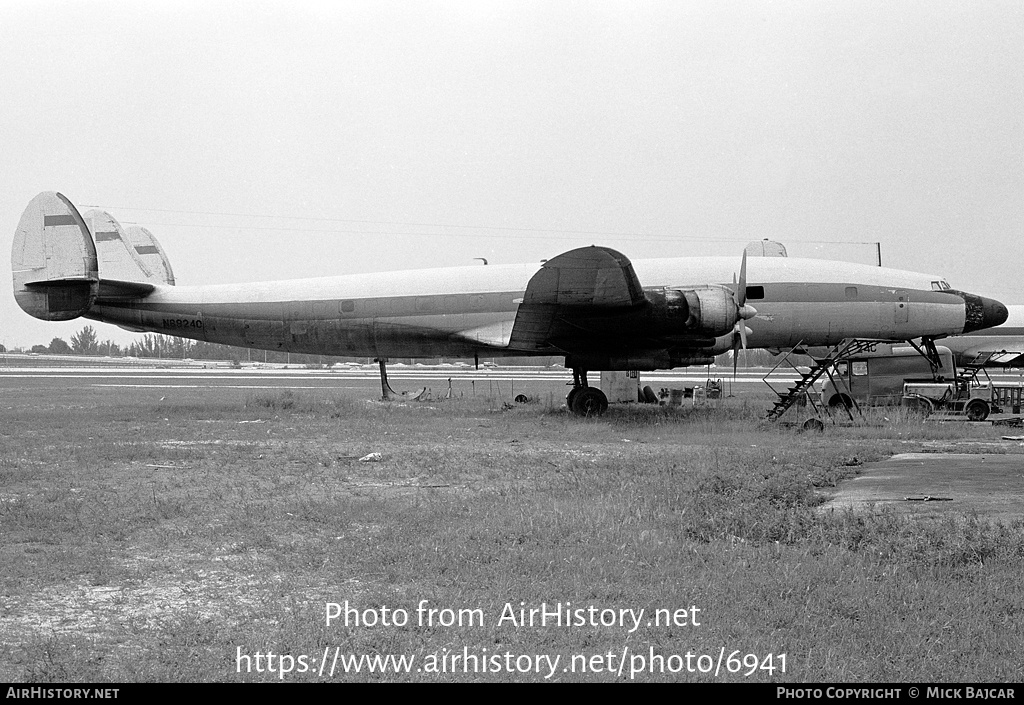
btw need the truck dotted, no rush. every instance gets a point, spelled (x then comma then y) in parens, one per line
(960, 395)
(876, 377)
(891, 375)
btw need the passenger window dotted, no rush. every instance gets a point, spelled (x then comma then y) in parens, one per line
(755, 292)
(348, 306)
(851, 292)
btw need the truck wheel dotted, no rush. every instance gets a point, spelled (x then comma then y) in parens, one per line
(919, 405)
(840, 400)
(977, 410)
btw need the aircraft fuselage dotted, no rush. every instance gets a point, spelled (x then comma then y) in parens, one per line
(591, 304)
(466, 310)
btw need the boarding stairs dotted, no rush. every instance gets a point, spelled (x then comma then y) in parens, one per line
(804, 387)
(978, 361)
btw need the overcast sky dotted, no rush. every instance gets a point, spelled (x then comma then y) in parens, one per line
(293, 139)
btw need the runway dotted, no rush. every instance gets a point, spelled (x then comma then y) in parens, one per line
(353, 378)
(365, 379)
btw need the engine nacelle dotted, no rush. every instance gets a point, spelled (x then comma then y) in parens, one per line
(708, 311)
(713, 310)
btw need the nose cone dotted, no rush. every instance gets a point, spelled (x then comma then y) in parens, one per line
(993, 313)
(981, 313)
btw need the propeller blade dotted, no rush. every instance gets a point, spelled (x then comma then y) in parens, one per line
(735, 356)
(741, 290)
(739, 295)
(743, 312)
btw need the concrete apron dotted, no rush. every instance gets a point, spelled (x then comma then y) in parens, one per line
(935, 484)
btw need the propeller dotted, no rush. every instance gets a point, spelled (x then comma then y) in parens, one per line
(744, 312)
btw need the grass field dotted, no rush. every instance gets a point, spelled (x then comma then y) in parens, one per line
(153, 535)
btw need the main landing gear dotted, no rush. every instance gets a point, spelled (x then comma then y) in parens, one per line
(584, 400)
(387, 393)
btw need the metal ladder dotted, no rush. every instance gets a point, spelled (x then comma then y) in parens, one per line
(818, 367)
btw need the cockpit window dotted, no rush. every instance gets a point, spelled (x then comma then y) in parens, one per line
(941, 285)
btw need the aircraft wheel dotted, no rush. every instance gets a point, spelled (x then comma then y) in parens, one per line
(977, 410)
(589, 401)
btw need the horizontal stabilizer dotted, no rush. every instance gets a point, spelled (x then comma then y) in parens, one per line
(43, 284)
(53, 260)
(115, 290)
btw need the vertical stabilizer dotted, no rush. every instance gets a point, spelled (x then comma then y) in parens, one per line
(53, 260)
(118, 258)
(766, 248)
(151, 254)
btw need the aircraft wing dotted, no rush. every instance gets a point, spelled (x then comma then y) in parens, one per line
(575, 295)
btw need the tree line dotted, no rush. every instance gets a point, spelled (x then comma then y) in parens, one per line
(153, 345)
